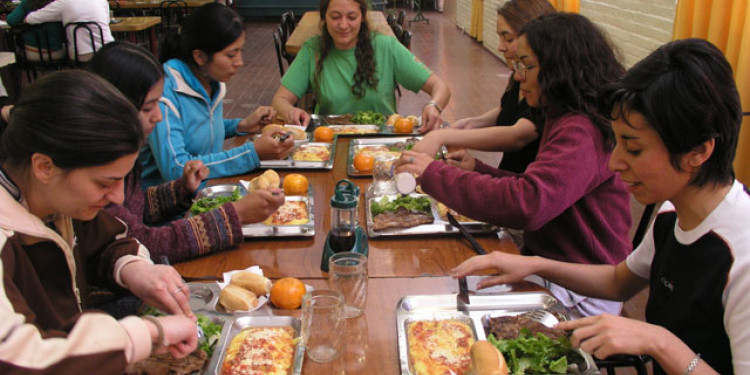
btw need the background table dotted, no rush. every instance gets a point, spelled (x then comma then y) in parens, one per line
(130, 26)
(309, 26)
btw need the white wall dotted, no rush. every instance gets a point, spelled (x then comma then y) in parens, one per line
(636, 27)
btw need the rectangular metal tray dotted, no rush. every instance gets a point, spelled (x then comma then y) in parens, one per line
(383, 130)
(303, 230)
(356, 144)
(237, 324)
(290, 163)
(481, 308)
(438, 226)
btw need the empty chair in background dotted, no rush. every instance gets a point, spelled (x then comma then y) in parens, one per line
(278, 46)
(401, 19)
(172, 13)
(406, 38)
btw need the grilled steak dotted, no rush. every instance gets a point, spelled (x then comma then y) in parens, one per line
(339, 119)
(402, 218)
(164, 364)
(509, 327)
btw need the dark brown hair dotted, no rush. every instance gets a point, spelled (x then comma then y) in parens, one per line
(365, 73)
(517, 13)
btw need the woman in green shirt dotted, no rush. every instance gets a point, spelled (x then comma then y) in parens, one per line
(350, 69)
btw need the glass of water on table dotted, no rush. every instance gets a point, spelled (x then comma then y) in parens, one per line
(322, 324)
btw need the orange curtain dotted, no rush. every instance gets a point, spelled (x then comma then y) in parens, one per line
(477, 19)
(570, 6)
(725, 23)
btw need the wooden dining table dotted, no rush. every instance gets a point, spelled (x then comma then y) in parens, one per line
(397, 266)
(131, 26)
(309, 26)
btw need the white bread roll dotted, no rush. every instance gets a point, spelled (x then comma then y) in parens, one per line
(487, 360)
(260, 285)
(392, 119)
(297, 133)
(235, 298)
(271, 129)
(259, 183)
(273, 178)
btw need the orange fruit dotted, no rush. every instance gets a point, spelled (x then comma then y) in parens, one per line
(323, 134)
(403, 125)
(287, 293)
(295, 184)
(363, 162)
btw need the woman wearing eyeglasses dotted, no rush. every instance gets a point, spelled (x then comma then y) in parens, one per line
(514, 134)
(569, 204)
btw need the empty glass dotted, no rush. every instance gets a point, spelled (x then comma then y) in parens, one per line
(323, 324)
(382, 175)
(347, 273)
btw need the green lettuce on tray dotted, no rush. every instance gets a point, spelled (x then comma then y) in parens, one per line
(529, 354)
(415, 204)
(368, 118)
(209, 203)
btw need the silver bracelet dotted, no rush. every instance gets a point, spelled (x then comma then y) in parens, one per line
(440, 110)
(693, 364)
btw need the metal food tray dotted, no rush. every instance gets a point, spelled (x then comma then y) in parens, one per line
(438, 226)
(234, 325)
(320, 120)
(302, 230)
(443, 306)
(356, 144)
(223, 190)
(290, 163)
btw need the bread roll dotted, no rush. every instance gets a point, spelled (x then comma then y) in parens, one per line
(297, 133)
(253, 282)
(259, 183)
(271, 129)
(392, 119)
(235, 298)
(487, 360)
(272, 177)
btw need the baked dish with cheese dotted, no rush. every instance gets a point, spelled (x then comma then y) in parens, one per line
(439, 346)
(262, 350)
(377, 150)
(443, 212)
(312, 153)
(290, 213)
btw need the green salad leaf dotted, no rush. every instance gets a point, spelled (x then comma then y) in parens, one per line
(209, 203)
(538, 354)
(211, 334)
(368, 118)
(415, 204)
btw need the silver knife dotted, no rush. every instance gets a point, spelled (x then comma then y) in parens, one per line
(462, 299)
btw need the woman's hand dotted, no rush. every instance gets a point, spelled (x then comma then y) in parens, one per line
(297, 116)
(180, 332)
(461, 159)
(413, 162)
(258, 205)
(254, 123)
(193, 174)
(159, 286)
(431, 118)
(510, 268)
(270, 148)
(431, 143)
(605, 335)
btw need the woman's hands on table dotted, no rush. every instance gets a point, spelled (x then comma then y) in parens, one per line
(158, 285)
(179, 333)
(252, 124)
(413, 162)
(193, 174)
(297, 116)
(258, 205)
(461, 159)
(269, 148)
(431, 118)
(510, 268)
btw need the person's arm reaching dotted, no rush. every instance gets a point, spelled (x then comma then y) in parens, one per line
(432, 111)
(284, 103)
(482, 121)
(496, 138)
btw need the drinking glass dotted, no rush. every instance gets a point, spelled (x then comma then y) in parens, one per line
(322, 324)
(382, 175)
(347, 273)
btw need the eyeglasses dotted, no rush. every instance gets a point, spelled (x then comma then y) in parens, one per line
(521, 69)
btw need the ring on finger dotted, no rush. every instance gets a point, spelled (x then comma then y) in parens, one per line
(411, 159)
(179, 289)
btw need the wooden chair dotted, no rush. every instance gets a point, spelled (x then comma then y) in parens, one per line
(81, 31)
(288, 22)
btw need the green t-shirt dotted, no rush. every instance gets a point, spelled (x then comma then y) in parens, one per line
(393, 63)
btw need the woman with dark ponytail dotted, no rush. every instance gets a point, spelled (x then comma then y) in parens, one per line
(200, 59)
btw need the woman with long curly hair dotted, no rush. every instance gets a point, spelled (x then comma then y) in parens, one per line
(569, 204)
(350, 69)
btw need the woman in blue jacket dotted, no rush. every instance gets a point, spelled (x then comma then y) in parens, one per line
(199, 60)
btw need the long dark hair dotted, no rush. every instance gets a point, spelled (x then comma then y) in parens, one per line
(576, 62)
(209, 28)
(130, 68)
(687, 93)
(73, 116)
(365, 73)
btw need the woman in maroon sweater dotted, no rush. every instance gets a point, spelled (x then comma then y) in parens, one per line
(569, 204)
(136, 73)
